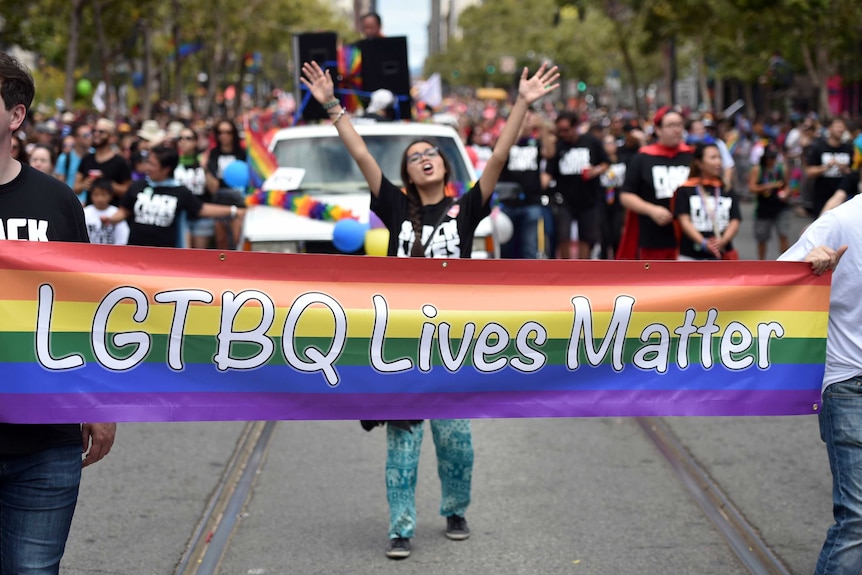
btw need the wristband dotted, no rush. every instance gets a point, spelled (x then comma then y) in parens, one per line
(339, 116)
(331, 104)
(233, 211)
(703, 245)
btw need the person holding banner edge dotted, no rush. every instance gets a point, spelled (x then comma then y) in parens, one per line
(424, 222)
(40, 465)
(823, 244)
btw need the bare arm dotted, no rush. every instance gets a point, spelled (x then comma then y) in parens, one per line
(834, 201)
(529, 90)
(635, 203)
(120, 215)
(320, 84)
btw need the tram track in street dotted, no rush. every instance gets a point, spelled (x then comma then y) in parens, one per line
(222, 514)
(741, 537)
(219, 520)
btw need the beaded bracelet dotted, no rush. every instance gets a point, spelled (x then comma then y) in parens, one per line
(331, 104)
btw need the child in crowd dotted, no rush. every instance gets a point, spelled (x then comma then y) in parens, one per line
(100, 207)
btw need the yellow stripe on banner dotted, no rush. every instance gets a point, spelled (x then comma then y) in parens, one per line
(20, 316)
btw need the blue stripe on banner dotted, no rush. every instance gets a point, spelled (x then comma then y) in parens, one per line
(28, 378)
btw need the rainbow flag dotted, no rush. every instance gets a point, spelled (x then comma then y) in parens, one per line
(262, 163)
(350, 70)
(106, 333)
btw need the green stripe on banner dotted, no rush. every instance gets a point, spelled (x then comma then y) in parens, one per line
(19, 347)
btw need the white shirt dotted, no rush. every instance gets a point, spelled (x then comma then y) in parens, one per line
(836, 228)
(114, 234)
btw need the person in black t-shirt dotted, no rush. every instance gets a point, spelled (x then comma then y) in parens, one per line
(424, 222)
(579, 162)
(151, 206)
(847, 188)
(828, 160)
(103, 162)
(40, 465)
(708, 214)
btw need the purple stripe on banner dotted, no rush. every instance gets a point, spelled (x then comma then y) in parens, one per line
(57, 408)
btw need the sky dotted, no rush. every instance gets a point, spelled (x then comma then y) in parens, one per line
(409, 19)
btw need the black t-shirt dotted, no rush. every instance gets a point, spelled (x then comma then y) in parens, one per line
(567, 169)
(37, 207)
(523, 167)
(850, 184)
(655, 177)
(218, 161)
(820, 154)
(116, 169)
(153, 213)
(458, 219)
(768, 203)
(690, 201)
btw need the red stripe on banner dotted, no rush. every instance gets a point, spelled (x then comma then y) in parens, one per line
(171, 262)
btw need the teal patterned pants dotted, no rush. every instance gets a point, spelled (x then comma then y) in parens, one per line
(454, 442)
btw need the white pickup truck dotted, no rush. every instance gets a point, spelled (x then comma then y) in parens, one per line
(332, 178)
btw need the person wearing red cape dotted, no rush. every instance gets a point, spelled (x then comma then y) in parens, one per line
(651, 180)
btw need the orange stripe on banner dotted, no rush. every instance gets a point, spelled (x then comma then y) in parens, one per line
(93, 287)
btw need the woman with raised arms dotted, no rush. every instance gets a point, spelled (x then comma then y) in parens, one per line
(424, 222)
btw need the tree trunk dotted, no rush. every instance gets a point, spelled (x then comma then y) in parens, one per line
(748, 94)
(72, 53)
(178, 65)
(104, 58)
(146, 95)
(719, 95)
(703, 85)
(629, 65)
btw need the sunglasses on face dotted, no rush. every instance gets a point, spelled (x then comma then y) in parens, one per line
(417, 157)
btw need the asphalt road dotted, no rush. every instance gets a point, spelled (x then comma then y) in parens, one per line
(568, 496)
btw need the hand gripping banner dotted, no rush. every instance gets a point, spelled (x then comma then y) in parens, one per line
(103, 333)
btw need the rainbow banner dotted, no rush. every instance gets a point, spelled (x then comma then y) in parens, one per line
(106, 333)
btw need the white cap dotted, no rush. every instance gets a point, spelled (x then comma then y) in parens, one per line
(380, 100)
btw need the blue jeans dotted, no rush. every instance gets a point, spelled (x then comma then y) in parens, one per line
(454, 442)
(525, 231)
(38, 493)
(841, 429)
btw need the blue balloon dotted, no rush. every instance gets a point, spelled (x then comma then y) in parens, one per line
(235, 174)
(349, 235)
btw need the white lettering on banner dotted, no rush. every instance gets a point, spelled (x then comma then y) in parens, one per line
(319, 361)
(575, 161)
(99, 335)
(37, 230)
(523, 159)
(666, 180)
(182, 300)
(488, 350)
(230, 308)
(43, 335)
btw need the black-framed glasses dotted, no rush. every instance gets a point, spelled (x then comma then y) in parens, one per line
(428, 154)
(187, 137)
(99, 131)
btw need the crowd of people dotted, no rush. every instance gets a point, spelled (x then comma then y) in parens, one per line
(798, 167)
(667, 188)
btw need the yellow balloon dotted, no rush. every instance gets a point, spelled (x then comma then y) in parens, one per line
(377, 242)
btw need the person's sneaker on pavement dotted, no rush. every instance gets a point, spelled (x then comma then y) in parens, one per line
(456, 528)
(398, 548)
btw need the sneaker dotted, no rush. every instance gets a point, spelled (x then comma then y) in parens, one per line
(456, 528)
(398, 548)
